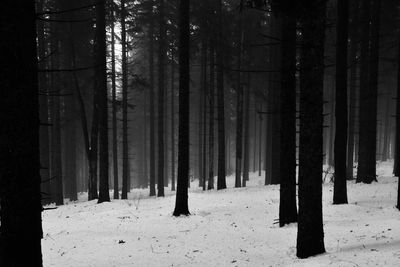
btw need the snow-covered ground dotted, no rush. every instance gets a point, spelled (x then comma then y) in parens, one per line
(234, 227)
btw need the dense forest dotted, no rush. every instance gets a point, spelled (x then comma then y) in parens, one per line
(101, 99)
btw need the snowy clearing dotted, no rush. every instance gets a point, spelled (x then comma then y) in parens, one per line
(234, 227)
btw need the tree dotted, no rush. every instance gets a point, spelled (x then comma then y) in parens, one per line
(152, 115)
(125, 158)
(366, 171)
(310, 234)
(354, 45)
(239, 106)
(396, 168)
(211, 121)
(221, 183)
(181, 204)
(161, 85)
(340, 189)
(21, 223)
(114, 107)
(287, 159)
(101, 76)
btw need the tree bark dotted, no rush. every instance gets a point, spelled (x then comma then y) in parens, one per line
(287, 159)
(310, 234)
(221, 183)
(21, 223)
(125, 156)
(114, 110)
(181, 204)
(101, 76)
(340, 185)
(161, 85)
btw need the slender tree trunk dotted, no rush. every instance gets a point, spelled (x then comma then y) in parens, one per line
(172, 121)
(203, 89)
(56, 163)
(310, 234)
(114, 111)
(161, 60)
(181, 204)
(101, 76)
(221, 183)
(152, 107)
(239, 108)
(125, 156)
(366, 171)
(260, 123)
(246, 157)
(20, 213)
(396, 167)
(386, 131)
(44, 114)
(340, 185)
(353, 89)
(287, 160)
(211, 121)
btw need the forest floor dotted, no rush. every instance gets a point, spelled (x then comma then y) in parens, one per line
(233, 227)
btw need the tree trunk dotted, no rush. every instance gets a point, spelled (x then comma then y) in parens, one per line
(211, 121)
(21, 224)
(396, 167)
(221, 183)
(366, 171)
(246, 157)
(181, 204)
(101, 76)
(287, 160)
(114, 110)
(340, 185)
(239, 108)
(172, 121)
(161, 59)
(353, 88)
(152, 107)
(44, 114)
(125, 156)
(310, 234)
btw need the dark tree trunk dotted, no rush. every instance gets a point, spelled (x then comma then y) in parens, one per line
(21, 223)
(44, 114)
(354, 44)
(366, 171)
(202, 126)
(340, 185)
(70, 149)
(239, 108)
(181, 204)
(125, 157)
(246, 140)
(386, 131)
(161, 85)
(211, 121)
(114, 110)
(172, 121)
(260, 123)
(396, 167)
(221, 183)
(56, 162)
(310, 234)
(287, 160)
(101, 76)
(152, 107)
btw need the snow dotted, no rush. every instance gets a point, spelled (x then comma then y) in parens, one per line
(233, 227)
